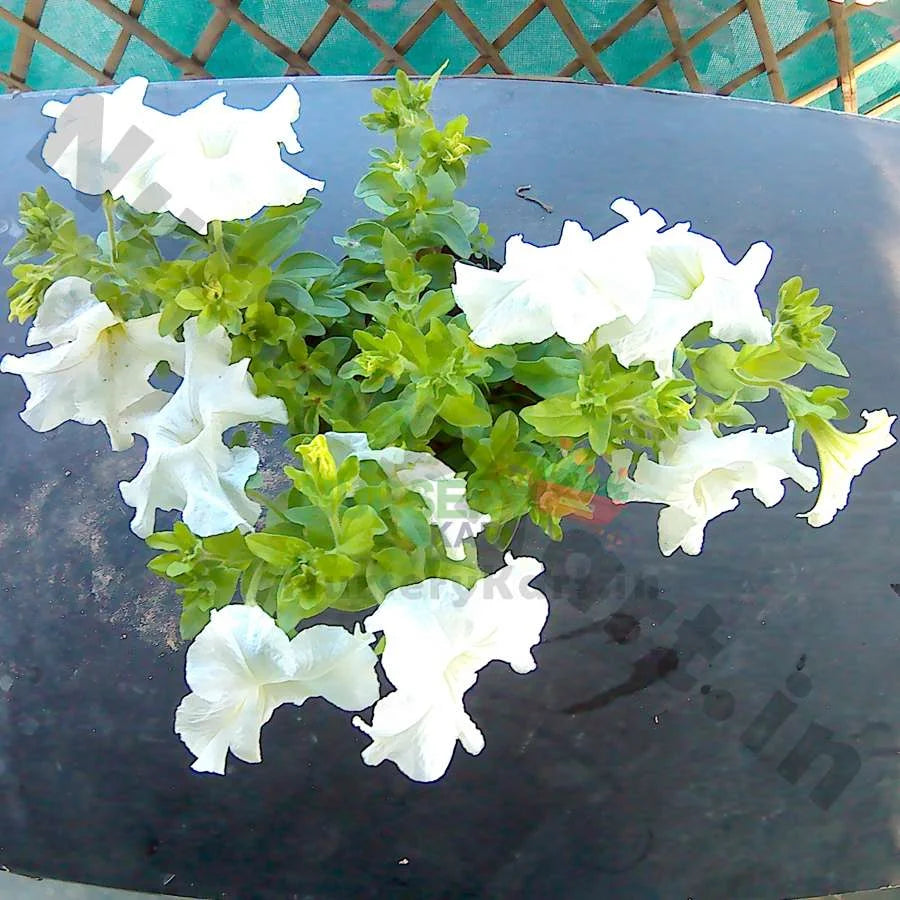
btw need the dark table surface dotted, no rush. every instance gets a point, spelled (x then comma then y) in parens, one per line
(652, 790)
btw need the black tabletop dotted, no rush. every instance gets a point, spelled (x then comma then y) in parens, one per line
(737, 733)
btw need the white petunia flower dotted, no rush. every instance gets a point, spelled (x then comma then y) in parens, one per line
(568, 288)
(105, 140)
(639, 227)
(98, 367)
(442, 490)
(438, 634)
(188, 466)
(242, 667)
(210, 162)
(698, 475)
(418, 732)
(693, 283)
(842, 457)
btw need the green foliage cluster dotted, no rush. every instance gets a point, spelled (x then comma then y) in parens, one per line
(374, 343)
(339, 537)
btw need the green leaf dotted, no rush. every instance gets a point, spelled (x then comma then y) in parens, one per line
(412, 523)
(549, 376)
(463, 411)
(413, 344)
(326, 357)
(359, 526)
(440, 267)
(423, 412)
(328, 306)
(714, 369)
(404, 88)
(306, 264)
(300, 595)
(385, 422)
(393, 251)
(314, 521)
(380, 191)
(173, 316)
(501, 536)
(293, 292)
(450, 232)
(193, 620)
(735, 415)
(751, 394)
(824, 401)
(191, 299)
(772, 365)
(271, 236)
(826, 361)
(557, 417)
(337, 566)
(231, 548)
(433, 305)
(504, 434)
(393, 567)
(363, 241)
(281, 551)
(598, 434)
(356, 597)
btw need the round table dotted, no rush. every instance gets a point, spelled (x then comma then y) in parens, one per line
(737, 732)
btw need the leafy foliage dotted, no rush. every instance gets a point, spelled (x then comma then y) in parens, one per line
(374, 343)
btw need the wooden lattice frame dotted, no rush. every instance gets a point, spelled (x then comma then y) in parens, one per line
(488, 52)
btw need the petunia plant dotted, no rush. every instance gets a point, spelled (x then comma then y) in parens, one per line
(427, 396)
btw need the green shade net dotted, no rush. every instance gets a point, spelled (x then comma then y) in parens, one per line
(541, 47)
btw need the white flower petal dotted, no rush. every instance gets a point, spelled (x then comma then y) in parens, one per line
(392, 460)
(105, 140)
(188, 467)
(438, 635)
(693, 283)
(438, 628)
(508, 615)
(842, 457)
(698, 475)
(221, 390)
(210, 729)
(332, 663)
(569, 288)
(419, 734)
(424, 630)
(97, 366)
(213, 161)
(649, 222)
(678, 528)
(59, 317)
(205, 727)
(232, 667)
(239, 650)
(242, 667)
(501, 310)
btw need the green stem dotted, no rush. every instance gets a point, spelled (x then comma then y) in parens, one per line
(752, 381)
(108, 206)
(334, 523)
(217, 237)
